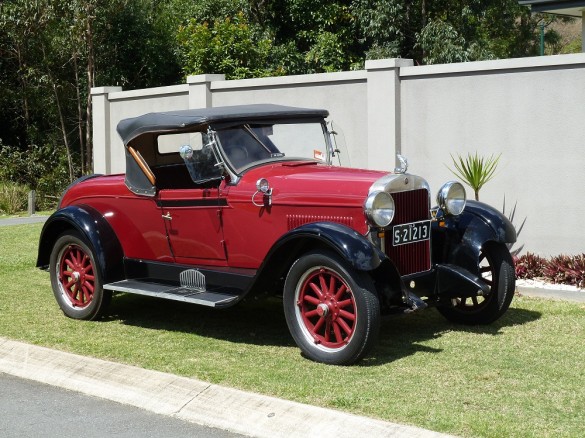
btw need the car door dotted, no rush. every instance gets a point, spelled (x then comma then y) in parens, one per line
(193, 223)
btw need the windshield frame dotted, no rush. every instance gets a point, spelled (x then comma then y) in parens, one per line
(236, 172)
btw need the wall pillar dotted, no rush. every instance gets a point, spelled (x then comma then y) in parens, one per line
(200, 95)
(383, 93)
(101, 125)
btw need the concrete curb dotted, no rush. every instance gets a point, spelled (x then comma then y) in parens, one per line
(551, 292)
(191, 400)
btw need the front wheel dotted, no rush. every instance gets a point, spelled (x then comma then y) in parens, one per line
(496, 267)
(76, 278)
(331, 309)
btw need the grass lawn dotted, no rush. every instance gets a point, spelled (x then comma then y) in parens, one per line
(522, 376)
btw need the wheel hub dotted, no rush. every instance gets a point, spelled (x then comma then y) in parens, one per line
(322, 310)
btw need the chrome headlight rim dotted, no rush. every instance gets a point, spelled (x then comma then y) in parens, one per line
(452, 198)
(379, 209)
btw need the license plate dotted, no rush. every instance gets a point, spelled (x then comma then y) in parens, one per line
(412, 232)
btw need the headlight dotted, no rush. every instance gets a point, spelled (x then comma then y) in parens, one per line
(451, 198)
(379, 209)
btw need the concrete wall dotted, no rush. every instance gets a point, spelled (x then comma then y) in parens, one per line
(528, 110)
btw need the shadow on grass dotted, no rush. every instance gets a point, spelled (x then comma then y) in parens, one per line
(258, 323)
(401, 336)
(263, 323)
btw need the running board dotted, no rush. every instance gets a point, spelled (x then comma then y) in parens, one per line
(219, 297)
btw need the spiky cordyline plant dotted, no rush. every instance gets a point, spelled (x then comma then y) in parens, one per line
(475, 170)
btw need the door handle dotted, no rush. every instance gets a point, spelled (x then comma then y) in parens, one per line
(167, 216)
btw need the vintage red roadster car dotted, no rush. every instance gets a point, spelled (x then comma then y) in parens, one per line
(222, 204)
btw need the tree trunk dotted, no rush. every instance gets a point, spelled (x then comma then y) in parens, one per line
(61, 118)
(63, 129)
(79, 114)
(90, 85)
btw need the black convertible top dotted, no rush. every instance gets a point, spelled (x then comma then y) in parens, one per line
(128, 129)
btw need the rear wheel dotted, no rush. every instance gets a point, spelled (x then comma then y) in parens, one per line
(496, 267)
(76, 278)
(331, 309)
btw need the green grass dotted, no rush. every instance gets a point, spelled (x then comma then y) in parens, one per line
(522, 376)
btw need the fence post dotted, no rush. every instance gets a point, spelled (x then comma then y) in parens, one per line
(384, 111)
(200, 94)
(32, 200)
(102, 128)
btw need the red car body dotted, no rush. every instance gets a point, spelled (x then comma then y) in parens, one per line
(232, 214)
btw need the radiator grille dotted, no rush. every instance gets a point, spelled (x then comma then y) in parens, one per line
(296, 220)
(411, 206)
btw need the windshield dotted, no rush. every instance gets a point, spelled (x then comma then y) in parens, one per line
(248, 144)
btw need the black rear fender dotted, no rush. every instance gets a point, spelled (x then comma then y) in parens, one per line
(96, 231)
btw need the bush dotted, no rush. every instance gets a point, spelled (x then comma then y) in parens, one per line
(13, 197)
(41, 168)
(562, 269)
(566, 270)
(530, 266)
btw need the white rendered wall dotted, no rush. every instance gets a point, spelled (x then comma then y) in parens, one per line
(342, 94)
(529, 110)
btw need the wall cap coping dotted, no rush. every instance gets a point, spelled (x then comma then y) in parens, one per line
(200, 79)
(150, 92)
(463, 68)
(285, 81)
(96, 91)
(387, 64)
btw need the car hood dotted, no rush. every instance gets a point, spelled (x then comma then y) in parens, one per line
(308, 182)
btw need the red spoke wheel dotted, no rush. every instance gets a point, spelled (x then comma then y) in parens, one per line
(497, 269)
(76, 279)
(331, 309)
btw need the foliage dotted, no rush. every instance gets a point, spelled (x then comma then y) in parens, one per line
(474, 170)
(41, 168)
(514, 250)
(566, 270)
(530, 266)
(230, 46)
(13, 197)
(54, 51)
(562, 269)
(441, 43)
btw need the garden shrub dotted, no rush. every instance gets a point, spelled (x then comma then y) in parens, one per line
(13, 197)
(566, 270)
(41, 168)
(530, 266)
(561, 269)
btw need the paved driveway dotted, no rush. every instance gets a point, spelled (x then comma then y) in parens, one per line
(22, 220)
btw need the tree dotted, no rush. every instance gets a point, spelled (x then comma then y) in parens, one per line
(230, 46)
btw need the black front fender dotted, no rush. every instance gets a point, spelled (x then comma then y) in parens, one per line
(349, 244)
(94, 229)
(459, 240)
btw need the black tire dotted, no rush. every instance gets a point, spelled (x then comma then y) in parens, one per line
(497, 268)
(331, 309)
(76, 278)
